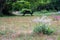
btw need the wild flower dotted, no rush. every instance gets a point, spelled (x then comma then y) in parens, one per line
(43, 25)
(43, 20)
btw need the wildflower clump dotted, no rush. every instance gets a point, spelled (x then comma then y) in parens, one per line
(44, 25)
(43, 29)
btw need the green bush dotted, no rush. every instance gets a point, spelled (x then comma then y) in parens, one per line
(38, 29)
(18, 5)
(47, 30)
(23, 10)
(43, 29)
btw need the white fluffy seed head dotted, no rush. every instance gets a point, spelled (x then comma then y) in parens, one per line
(43, 20)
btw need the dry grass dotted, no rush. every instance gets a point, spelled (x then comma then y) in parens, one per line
(20, 28)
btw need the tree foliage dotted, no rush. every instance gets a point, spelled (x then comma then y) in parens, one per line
(18, 5)
(8, 5)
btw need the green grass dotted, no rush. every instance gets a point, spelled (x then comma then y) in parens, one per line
(48, 13)
(58, 37)
(37, 13)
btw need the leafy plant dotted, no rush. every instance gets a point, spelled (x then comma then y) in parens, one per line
(18, 5)
(38, 29)
(2, 32)
(43, 29)
(47, 30)
(24, 9)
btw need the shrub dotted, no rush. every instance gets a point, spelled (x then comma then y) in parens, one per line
(47, 30)
(38, 29)
(43, 29)
(27, 11)
(23, 10)
(18, 5)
